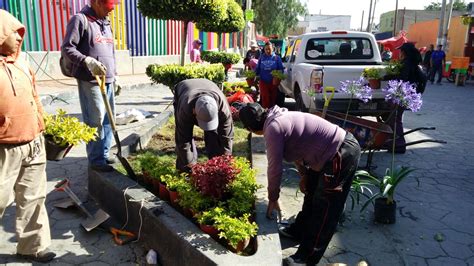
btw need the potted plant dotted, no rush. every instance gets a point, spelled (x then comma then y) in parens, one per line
(237, 231)
(242, 189)
(278, 76)
(147, 161)
(250, 77)
(212, 177)
(207, 219)
(374, 76)
(174, 184)
(392, 69)
(62, 132)
(192, 201)
(385, 204)
(403, 95)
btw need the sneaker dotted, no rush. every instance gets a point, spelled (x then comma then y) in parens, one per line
(102, 168)
(42, 256)
(293, 261)
(111, 160)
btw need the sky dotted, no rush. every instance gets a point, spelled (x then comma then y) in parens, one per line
(355, 7)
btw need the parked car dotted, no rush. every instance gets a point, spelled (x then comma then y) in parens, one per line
(315, 60)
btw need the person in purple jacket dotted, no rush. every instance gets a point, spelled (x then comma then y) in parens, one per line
(326, 157)
(89, 43)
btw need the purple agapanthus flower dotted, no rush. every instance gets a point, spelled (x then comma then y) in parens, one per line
(357, 88)
(403, 94)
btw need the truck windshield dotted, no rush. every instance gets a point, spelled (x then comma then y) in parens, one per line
(338, 49)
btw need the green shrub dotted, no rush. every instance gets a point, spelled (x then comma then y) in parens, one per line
(172, 74)
(235, 229)
(67, 130)
(214, 57)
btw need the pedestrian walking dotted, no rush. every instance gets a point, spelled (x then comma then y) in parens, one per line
(22, 149)
(438, 62)
(326, 157)
(252, 56)
(427, 60)
(268, 62)
(90, 43)
(200, 102)
(195, 53)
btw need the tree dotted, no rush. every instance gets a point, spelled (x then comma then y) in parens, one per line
(183, 10)
(233, 22)
(458, 5)
(277, 16)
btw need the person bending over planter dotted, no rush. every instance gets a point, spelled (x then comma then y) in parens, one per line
(326, 157)
(268, 62)
(22, 150)
(200, 102)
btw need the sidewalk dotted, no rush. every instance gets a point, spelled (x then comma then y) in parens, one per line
(442, 205)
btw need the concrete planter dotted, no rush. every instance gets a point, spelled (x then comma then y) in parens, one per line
(176, 239)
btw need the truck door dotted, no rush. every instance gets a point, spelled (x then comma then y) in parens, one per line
(290, 56)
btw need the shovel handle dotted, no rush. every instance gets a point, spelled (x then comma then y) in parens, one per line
(326, 98)
(101, 81)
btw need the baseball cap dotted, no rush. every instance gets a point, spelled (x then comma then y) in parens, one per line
(206, 113)
(253, 44)
(198, 41)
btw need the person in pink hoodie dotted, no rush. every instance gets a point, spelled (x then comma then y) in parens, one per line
(326, 157)
(22, 149)
(195, 53)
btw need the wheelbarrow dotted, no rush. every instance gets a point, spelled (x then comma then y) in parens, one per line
(371, 135)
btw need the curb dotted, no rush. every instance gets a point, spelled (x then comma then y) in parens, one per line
(176, 239)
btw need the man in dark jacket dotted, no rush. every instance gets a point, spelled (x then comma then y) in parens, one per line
(90, 44)
(427, 60)
(200, 102)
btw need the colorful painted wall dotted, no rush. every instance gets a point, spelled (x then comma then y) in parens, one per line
(425, 33)
(46, 22)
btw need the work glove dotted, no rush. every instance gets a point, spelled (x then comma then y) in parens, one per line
(117, 86)
(95, 67)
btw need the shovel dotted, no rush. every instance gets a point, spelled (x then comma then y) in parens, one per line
(327, 99)
(92, 221)
(123, 160)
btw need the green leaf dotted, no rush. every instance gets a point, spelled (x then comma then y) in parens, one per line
(439, 237)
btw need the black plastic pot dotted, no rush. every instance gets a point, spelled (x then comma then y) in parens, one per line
(385, 213)
(55, 152)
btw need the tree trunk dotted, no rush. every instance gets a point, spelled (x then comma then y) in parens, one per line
(183, 41)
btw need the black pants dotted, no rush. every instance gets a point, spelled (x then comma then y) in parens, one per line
(323, 203)
(438, 68)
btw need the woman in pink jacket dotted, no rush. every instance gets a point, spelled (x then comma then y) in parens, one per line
(196, 52)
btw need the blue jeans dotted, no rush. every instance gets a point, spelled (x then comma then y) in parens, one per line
(94, 114)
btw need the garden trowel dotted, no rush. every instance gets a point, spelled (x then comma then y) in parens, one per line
(92, 221)
(327, 99)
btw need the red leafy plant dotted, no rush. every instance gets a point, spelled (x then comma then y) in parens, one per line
(212, 178)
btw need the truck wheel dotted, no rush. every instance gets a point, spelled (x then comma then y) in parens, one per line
(299, 103)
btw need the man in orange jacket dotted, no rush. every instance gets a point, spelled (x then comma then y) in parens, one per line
(22, 150)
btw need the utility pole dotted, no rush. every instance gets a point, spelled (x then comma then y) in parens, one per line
(395, 19)
(362, 21)
(370, 12)
(248, 6)
(373, 14)
(441, 23)
(446, 25)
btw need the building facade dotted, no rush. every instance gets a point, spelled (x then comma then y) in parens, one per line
(317, 23)
(407, 17)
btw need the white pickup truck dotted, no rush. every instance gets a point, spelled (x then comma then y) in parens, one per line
(316, 60)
